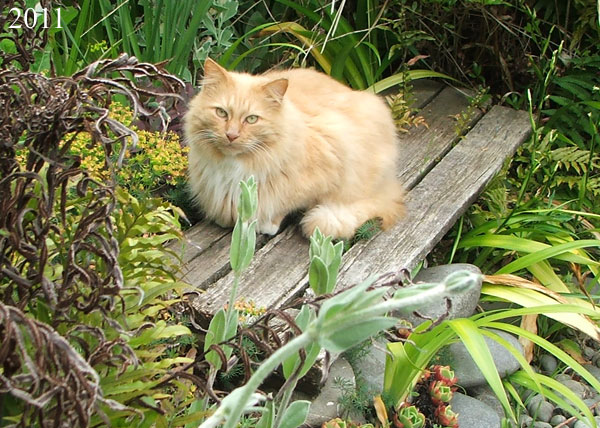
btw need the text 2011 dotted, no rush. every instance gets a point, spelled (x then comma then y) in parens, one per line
(30, 17)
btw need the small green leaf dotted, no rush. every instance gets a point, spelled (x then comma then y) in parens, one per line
(318, 277)
(249, 244)
(339, 341)
(268, 416)
(236, 245)
(295, 414)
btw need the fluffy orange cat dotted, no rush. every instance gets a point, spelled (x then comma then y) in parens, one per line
(311, 143)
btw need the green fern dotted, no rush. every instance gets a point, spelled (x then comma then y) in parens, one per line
(573, 183)
(574, 158)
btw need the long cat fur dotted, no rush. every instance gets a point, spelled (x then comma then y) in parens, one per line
(316, 145)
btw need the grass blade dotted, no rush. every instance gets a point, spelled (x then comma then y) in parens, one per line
(400, 78)
(473, 340)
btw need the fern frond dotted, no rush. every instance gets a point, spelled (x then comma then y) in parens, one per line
(573, 158)
(402, 112)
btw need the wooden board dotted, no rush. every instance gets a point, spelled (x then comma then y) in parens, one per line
(444, 195)
(278, 271)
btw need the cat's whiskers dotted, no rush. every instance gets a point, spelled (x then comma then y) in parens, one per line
(258, 148)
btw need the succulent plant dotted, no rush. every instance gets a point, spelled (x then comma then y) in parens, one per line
(444, 374)
(340, 423)
(408, 417)
(446, 416)
(440, 392)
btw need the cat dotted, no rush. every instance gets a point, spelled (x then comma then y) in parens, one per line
(310, 142)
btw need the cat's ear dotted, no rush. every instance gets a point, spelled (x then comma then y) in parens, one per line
(213, 73)
(275, 90)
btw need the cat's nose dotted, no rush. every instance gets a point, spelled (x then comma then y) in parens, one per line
(232, 135)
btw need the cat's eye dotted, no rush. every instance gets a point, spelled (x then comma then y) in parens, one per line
(252, 119)
(221, 113)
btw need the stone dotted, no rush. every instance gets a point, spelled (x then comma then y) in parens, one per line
(370, 368)
(588, 352)
(465, 369)
(578, 388)
(585, 424)
(485, 394)
(534, 403)
(562, 377)
(525, 420)
(594, 371)
(325, 406)
(473, 413)
(557, 420)
(544, 412)
(549, 363)
(540, 424)
(463, 304)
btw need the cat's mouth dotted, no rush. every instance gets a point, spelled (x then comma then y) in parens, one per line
(231, 148)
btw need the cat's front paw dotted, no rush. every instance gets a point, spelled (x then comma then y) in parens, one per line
(268, 228)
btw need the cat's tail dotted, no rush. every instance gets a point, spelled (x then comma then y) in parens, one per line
(342, 219)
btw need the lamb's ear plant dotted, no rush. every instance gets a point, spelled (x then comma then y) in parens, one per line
(344, 320)
(325, 260)
(224, 324)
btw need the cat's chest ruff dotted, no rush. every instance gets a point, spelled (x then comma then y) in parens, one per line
(218, 185)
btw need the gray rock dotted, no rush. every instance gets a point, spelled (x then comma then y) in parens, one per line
(465, 369)
(485, 394)
(578, 388)
(462, 304)
(534, 403)
(562, 377)
(585, 424)
(369, 369)
(473, 413)
(596, 358)
(549, 363)
(544, 412)
(557, 419)
(325, 406)
(594, 371)
(525, 421)
(540, 424)
(588, 352)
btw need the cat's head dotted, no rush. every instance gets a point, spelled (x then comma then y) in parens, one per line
(235, 113)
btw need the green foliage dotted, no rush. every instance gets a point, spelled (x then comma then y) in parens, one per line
(325, 260)
(409, 359)
(343, 321)
(158, 161)
(183, 33)
(410, 417)
(354, 55)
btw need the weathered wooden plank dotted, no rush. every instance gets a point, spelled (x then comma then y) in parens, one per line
(206, 256)
(279, 269)
(441, 198)
(423, 147)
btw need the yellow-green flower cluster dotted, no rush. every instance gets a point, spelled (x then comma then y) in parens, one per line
(158, 160)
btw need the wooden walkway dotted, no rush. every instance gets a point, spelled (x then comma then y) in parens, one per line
(444, 173)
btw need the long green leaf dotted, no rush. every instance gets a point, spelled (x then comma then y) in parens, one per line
(553, 251)
(524, 245)
(305, 36)
(473, 341)
(551, 348)
(400, 78)
(534, 383)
